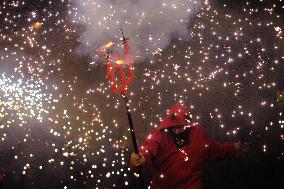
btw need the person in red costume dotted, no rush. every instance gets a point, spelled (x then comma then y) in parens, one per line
(178, 150)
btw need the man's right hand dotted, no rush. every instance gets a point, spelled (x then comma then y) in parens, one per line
(137, 160)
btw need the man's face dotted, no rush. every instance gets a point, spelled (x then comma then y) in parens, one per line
(178, 129)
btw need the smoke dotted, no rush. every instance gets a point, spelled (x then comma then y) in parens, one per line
(150, 25)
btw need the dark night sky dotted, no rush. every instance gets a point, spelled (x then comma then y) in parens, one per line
(62, 127)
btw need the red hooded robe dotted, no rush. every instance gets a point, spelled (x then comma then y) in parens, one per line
(180, 168)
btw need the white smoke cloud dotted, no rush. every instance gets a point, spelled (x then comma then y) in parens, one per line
(150, 24)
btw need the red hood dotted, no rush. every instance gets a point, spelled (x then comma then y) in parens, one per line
(178, 115)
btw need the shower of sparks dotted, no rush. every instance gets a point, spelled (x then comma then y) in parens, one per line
(59, 119)
(24, 98)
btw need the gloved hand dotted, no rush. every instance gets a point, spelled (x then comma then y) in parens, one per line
(137, 160)
(242, 148)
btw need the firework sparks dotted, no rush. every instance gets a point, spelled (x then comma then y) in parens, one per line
(60, 121)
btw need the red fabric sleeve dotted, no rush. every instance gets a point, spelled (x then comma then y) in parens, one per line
(149, 149)
(219, 151)
(216, 150)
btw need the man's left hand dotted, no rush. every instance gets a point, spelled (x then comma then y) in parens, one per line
(242, 148)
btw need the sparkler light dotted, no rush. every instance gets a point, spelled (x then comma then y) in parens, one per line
(37, 25)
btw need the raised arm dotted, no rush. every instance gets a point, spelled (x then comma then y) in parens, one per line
(217, 150)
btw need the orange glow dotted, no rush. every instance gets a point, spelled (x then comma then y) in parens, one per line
(102, 50)
(119, 62)
(37, 25)
(107, 45)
